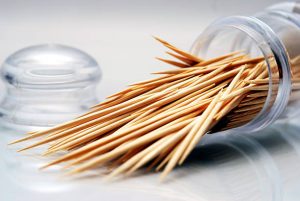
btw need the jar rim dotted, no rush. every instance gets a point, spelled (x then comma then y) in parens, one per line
(268, 43)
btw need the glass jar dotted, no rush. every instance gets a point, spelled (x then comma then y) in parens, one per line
(46, 85)
(273, 34)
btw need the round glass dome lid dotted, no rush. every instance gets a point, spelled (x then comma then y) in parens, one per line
(50, 66)
(47, 85)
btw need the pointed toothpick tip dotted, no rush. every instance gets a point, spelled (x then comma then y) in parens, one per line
(162, 178)
(45, 166)
(24, 149)
(70, 173)
(159, 39)
(18, 141)
(13, 142)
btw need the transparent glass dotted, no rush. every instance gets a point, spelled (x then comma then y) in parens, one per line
(47, 85)
(273, 34)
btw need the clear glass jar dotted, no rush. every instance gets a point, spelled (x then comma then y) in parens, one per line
(273, 34)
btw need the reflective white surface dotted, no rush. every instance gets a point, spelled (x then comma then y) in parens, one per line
(258, 166)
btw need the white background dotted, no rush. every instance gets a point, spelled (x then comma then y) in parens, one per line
(117, 33)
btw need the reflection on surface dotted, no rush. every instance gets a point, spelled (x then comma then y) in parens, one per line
(257, 166)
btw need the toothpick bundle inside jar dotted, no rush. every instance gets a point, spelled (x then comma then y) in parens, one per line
(241, 75)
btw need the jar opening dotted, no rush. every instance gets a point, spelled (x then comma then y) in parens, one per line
(255, 38)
